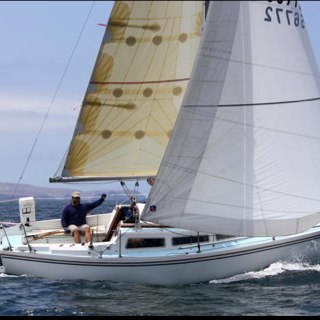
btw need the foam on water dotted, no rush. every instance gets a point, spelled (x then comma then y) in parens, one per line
(4, 275)
(273, 270)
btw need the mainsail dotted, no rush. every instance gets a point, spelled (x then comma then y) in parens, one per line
(245, 151)
(136, 89)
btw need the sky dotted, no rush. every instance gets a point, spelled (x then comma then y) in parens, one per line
(42, 87)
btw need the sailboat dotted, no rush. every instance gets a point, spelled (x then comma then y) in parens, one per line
(218, 104)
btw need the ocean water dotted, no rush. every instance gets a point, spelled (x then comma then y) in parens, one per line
(282, 289)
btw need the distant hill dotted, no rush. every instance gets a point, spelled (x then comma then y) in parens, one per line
(27, 190)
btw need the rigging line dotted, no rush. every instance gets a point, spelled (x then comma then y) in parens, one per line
(254, 104)
(260, 188)
(261, 127)
(269, 129)
(258, 210)
(54, 96)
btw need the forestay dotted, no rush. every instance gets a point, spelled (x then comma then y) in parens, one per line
(245, 152)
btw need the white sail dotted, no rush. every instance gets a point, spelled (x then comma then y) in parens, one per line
(135, 92)
(245, 152)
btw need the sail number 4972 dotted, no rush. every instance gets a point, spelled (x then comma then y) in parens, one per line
(284, 15)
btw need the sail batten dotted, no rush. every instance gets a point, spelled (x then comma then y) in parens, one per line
(142, 82)
(245, 149)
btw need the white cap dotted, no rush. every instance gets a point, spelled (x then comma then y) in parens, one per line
(76, 194)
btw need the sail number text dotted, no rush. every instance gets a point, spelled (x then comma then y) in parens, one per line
(283, 15)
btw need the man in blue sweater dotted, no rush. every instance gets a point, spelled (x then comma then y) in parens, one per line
(74, 215)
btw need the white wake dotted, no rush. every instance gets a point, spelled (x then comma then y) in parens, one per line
(273, 270)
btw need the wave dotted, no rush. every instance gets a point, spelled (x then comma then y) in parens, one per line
(4, 275)
(273, 270)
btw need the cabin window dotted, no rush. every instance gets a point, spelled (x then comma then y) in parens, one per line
(223, 236)
(189, 240)
(145, 243)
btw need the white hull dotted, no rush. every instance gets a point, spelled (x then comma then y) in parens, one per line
(224, 259)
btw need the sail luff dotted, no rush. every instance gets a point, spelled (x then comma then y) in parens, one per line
(242, 158)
